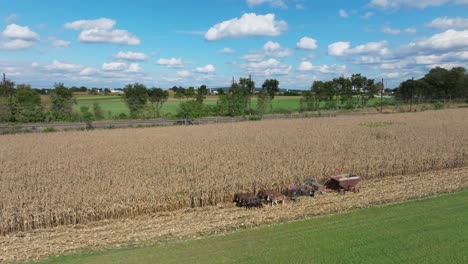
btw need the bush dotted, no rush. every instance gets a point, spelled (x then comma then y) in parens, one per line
(438, 105)
(49, 130)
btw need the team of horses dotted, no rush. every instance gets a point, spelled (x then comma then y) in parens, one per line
(272, 197)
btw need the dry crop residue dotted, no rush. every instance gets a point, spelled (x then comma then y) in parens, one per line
(193, 223)
(57, 179)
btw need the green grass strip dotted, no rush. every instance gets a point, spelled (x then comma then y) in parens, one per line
(426, 231)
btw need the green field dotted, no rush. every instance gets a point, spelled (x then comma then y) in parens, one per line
(427, 231)
(114, 105)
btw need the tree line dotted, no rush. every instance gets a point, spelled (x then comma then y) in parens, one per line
(437, 84)
(21, 103)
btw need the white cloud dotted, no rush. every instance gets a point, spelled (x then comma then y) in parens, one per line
(392, 31)
(205, 69)
(410, 30)
(114, 66)
(17, 44)
(268, 67)
(226, 51)
(102, 31)
(343, 13)
(184, 73)
(392, 4)
(343, 49)
(273, 3)
(368, 15)
(172, 62)
(306, 66)
(449, 23)
(338, 48)
(61, 43)
(448, 41)
(391, 75)
(269, 49)
(248, 25)
(274, 49)
(11, 18)
(254, 57)
(333, 69)
(134, 68)
(307, 43)
(131, 56)
(299, 6)
(14, 32)
(324, 69)
(101, 23)
(64, 67)
(88, 71)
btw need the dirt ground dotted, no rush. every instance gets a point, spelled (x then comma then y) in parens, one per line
(200, 222)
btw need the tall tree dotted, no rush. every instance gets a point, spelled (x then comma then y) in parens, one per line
(7, 101)
(248, 85)
(202, 91)
(271, 86)
(29, 104)
(61, 99)
(158, 97)
(136, 97)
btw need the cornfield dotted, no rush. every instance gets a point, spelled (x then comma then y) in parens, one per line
(76, 177)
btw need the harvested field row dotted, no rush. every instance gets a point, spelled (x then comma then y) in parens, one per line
(180, 224)
(79, 177)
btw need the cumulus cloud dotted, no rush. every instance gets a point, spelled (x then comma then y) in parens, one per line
(205, 69)
(184, 73)
(131, 56)
(324, 69)
(270, 67)
(18, 37)
(88, 71)
(102, 31)
(449, 23)
(392, 31)
(61, 43)
(114, 66)
(343, 13)
(344, 49)
(171, 63)
(226, 51)
(274, 49)
(64, 67)
(11, 18)
(248, 25)
(392, 4)
(391, 75)
(273, 3)
(368, 15)
(448, 41)
(17, 44)
(134, 68)
(306, 66)
(307, 43)
(269, 49)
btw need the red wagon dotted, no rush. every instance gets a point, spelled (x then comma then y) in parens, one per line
(343, 183)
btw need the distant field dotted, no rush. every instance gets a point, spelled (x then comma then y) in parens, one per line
(428, 231)
(114, 105)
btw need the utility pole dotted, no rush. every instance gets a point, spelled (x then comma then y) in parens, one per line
(381, 97)
(411, 94)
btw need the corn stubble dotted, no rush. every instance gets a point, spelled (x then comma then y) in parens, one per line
(77, 177)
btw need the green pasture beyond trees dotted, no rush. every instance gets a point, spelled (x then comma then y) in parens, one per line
(427, 231)
(115, 105)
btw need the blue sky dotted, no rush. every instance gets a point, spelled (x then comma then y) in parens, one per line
(190, 43)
